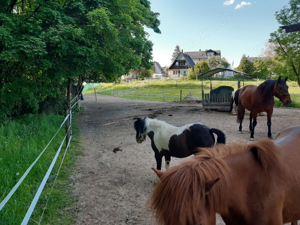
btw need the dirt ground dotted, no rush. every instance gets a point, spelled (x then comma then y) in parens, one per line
(114, 187)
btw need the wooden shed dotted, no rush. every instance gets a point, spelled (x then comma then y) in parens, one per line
(218, 98)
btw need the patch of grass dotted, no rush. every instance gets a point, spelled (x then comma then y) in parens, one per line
(21, 141)
(294, 104)
(153, 90)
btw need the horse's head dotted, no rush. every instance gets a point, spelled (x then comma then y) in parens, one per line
(140, 128)
(281, 91)
(180, 198)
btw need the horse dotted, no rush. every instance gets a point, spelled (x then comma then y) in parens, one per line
(234, 101)
(246, 184)
(180, 142)
(261, 99)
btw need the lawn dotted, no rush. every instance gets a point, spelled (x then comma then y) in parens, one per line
(21, 141)
(170, 89)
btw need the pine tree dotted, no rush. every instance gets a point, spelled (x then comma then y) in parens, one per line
(175, 53)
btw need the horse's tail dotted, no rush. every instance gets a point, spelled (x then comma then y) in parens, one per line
(221, 136)
(240, 114)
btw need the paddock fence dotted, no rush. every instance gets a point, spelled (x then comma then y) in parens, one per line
(161, 95)
(67, 122)
(142, 94)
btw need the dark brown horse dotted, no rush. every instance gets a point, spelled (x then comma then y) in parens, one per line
(257, 184)
(261, 99)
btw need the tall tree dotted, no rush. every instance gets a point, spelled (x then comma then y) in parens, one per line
(199, 68)
(261, 68)
(217, 61)
(288, 48)
(246, 66)
(44, 44)
(175, 53)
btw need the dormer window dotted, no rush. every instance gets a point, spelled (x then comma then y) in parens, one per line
(210, 54)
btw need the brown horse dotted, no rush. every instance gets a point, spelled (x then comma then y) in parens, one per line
(261, 99)
(257, 184)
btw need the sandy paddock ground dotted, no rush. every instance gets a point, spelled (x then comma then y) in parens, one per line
(114, 188)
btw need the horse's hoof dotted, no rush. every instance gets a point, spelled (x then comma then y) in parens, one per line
(251, 139)
(270, 137)
(240, 132)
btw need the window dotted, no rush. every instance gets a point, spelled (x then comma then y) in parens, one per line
(210, 53)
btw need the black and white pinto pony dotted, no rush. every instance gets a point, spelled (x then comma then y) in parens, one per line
(168, 140)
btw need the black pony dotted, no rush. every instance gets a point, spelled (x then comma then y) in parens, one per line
(180, 142)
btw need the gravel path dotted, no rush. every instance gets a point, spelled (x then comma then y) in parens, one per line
(114, 187)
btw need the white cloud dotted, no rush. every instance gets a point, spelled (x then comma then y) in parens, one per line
(242, 4)
(228, 2)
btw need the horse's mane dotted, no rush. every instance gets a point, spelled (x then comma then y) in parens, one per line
(157, 123)
(264, 151)
(177, 198)
(266, 87)
(180, 191)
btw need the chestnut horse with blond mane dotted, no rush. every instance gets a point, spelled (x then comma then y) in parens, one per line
(256, 184)
(261, 99)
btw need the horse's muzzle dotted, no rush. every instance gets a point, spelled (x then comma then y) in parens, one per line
(287, 102)
(139, 141)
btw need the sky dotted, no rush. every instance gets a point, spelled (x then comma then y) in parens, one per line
(234, 27)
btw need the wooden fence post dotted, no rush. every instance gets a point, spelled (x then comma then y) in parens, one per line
(180, 95)
(68, 111)
(132, 94)
(164, 95)
(147, 94)
(95, 94)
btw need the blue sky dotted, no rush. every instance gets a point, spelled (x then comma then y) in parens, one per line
(235, 27)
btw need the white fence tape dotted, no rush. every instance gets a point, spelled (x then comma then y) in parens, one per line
(55, 179)
(39, 191)
(13, 190)
(41, 187)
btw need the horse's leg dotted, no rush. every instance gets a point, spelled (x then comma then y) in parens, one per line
(240, 116)
(250, 126)
(269, 115)
(294, 223)
(254, 116)
(158, 158)
(167, 159)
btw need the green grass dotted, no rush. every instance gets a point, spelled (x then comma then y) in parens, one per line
(21, 141)
(153, 90)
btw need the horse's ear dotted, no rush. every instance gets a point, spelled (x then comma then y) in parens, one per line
(286, 78)
(279, 78)
(209, 184)
(158, 172)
